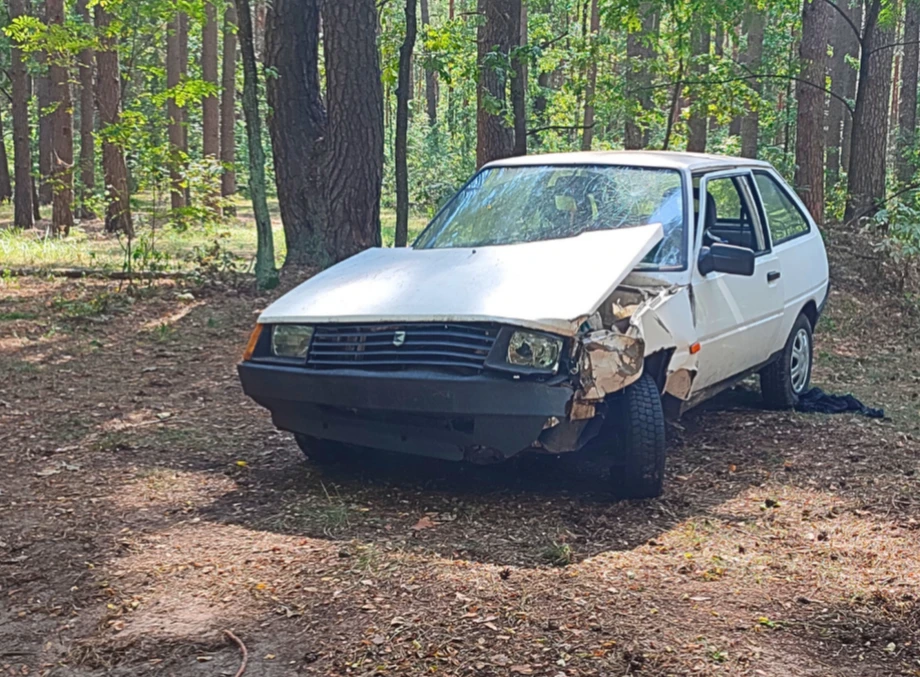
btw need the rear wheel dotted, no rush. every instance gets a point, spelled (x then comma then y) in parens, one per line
(787, 379)
(631, 451)
(322, 452)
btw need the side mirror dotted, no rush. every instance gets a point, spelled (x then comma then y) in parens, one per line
(726, 258)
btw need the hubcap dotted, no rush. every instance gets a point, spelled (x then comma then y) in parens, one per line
(800, 368)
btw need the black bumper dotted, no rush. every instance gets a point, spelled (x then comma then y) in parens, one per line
(429, 414)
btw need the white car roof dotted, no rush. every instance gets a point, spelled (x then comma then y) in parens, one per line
(651, 159)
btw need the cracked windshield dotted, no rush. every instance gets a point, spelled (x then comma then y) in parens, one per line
(510, 205)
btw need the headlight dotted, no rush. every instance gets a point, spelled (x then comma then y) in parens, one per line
(291, 340)
(534, 350)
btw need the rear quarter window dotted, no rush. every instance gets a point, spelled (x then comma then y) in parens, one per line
(785, 219)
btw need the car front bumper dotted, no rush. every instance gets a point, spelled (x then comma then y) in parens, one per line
(415, 412)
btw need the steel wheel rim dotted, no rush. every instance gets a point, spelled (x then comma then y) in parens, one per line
(800, 363)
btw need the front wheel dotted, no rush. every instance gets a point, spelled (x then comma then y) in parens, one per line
(786, 380)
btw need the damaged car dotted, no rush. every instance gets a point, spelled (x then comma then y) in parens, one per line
(558, 305)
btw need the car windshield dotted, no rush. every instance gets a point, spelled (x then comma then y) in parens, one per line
(510, 205)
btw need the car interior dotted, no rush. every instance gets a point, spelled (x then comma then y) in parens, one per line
(728, 217)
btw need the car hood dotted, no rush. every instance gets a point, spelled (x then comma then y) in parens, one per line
(552, 285)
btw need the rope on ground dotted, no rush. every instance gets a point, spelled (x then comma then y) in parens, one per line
(243, 650)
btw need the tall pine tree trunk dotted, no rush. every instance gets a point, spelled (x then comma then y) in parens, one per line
(850, 84)
(587, 137)
(498, 34)
(750, 123)
(907, 110)
(402, 126)
(86, 64)
(266, 274)
(431, 76)
(6, 184)
(354, 132)
(640, 53)
(228, 105)
(62, 135)
(700, 36)
(45, 130)
(810, 135)
(22, 152)
(846, 47)
(108, 101)
(297, 124)
(176, 51)
(869, 151)
(210, 117)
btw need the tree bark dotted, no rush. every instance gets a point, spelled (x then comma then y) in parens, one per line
(431, 76)
(108, 101)
(45, 130)
(402, 126)
(850, 83)
(587, 136)
(266, 274)
(844, 44)
(700, 35)
(810, 134)
(6, 184)
(750, 123)
(354, 95)
(22, 152)
(297, 124)
(907, 110)
(868, 158)
(62, 135)
(210, 105)
(228, 105)
(497, 35)
(87, 122)
(177, 38)
(640, 54)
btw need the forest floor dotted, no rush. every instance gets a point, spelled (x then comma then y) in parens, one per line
(147, 507)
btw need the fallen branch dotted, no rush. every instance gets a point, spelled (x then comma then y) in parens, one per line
(78, 273)
(243, 650)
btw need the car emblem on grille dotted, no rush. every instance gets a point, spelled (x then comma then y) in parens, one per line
(399, 338)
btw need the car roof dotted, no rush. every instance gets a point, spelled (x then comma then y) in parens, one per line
(651, 159)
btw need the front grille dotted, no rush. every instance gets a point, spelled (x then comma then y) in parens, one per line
(383, 347)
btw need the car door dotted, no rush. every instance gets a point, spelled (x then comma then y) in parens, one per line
(739, 318)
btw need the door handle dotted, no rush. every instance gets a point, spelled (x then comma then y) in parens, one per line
(774, 276)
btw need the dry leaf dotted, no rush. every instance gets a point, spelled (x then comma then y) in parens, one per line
(424, 523)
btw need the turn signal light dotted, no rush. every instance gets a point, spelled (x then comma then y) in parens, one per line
(253, 342)
(695, 348)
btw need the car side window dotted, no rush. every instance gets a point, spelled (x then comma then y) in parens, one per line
(784, 217)
(729, 219)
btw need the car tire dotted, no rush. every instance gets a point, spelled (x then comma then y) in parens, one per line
(630, 452)
(784, 381)
(322, 452)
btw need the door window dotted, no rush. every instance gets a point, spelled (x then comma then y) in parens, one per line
(785, 219)
(729, 217)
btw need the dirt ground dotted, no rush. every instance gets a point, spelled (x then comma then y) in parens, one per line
(146, 507)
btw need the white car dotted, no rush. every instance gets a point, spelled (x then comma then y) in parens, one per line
(558, 304)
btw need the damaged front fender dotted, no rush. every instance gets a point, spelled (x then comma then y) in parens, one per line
(610, 361)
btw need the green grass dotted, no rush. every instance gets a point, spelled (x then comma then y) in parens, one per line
(161, 247)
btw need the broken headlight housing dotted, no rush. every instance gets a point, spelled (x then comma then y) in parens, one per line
(291, 340)
(534, 351)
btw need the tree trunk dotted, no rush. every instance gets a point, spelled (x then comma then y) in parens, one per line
(266, 274)
(45, 130)
(750, 123)
(640, 54)
(697, 124)
(297, 124)
(497, 35)
(907, 110)
(62, 134)
(868, 157)
(6, 184)
(810, 135)
(108, 101)
(850, 84)
(431, 76)
(845, 44)
(87, 122)
(176, 40)
(210, 105)
(587, 137)
(228, 105)
(22, 152)
(354, 92)
(402, 126)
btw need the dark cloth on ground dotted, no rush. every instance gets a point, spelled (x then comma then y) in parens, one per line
(816, 401)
